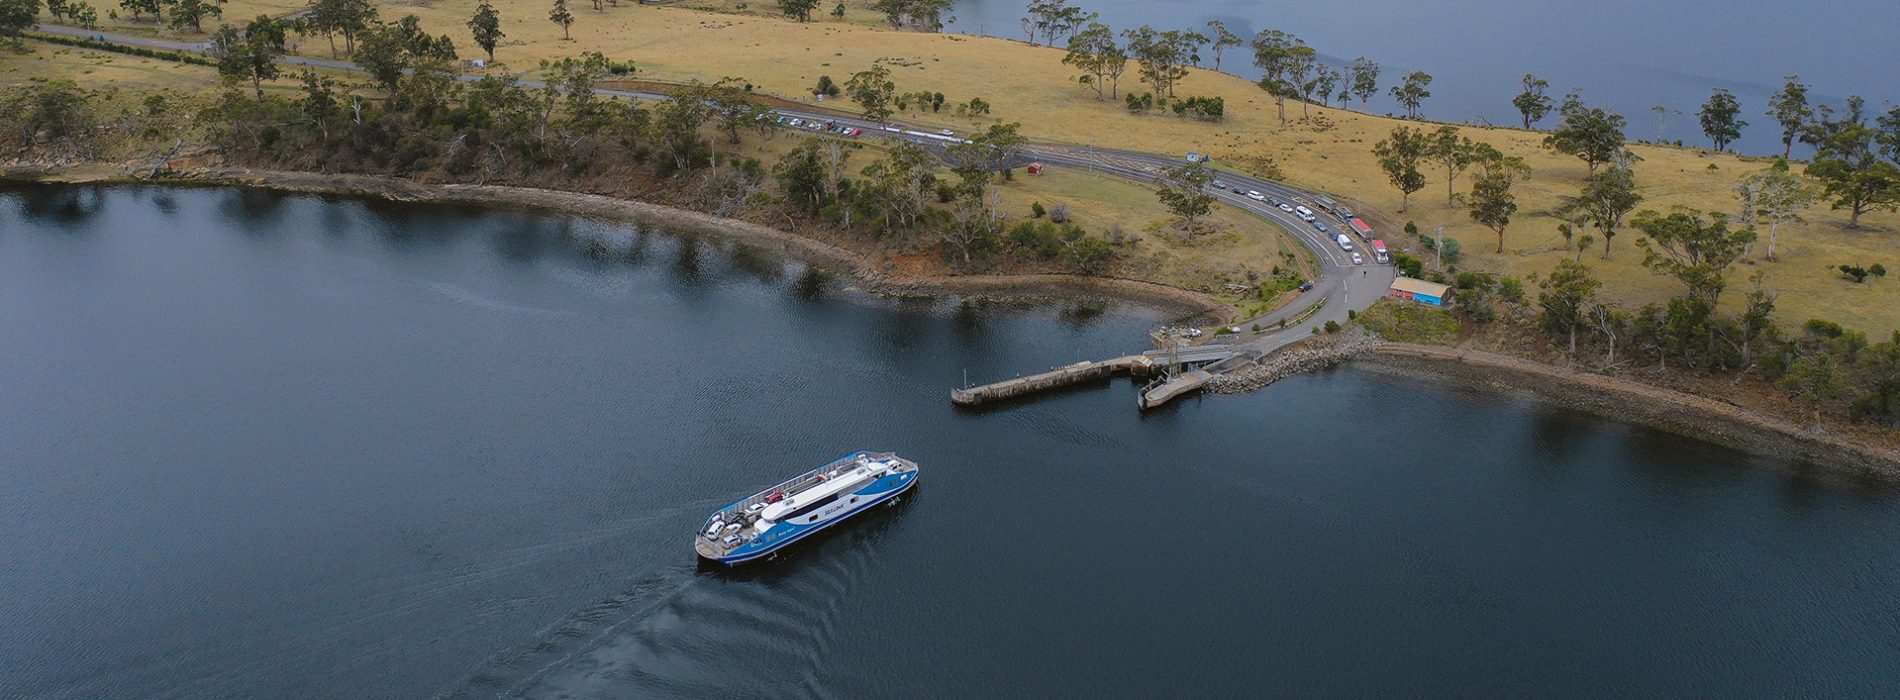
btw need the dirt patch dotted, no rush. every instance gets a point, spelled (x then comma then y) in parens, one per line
(1640, 403)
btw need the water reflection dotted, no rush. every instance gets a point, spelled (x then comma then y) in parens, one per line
(811, 284)
(58, 204)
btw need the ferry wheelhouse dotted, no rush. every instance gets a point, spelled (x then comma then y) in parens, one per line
(771, 519)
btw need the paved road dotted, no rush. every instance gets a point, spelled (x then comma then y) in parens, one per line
(1342, 284)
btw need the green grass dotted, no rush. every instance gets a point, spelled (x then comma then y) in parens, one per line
(1407, 322)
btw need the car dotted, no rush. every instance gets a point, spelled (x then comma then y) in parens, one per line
(856, 132)
(1308, 218)
(1256, 196)
(1306, 286)
(947, 132)
(798, 122)
(1275, 201)
(1321, 227)
(782, 119)
(1285, 207)
(1356, 260)
(1345, 243)
(1240, 190)
(1219, 185)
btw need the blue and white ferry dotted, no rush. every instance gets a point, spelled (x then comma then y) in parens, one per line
(771, 519)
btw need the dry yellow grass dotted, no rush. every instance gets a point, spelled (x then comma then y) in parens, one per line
(104, 69)
(1029, 84)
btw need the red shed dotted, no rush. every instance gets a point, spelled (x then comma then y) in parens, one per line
(1035, 168)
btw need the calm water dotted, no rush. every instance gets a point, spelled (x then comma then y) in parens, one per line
(1630, 55)
(255, 445)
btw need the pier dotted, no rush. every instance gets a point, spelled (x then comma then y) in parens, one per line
(1145, 363)
(1052, 379)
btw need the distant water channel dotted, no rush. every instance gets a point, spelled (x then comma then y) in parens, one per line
(261, 445)
(1628, 55)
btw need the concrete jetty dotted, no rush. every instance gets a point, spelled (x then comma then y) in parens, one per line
(1172, 386)
(1052, 379)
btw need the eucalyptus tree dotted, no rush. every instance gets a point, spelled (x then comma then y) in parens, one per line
(1533, 103)
(1411, 93)
(1220, 40)
(1399, 157)
(1363, 76)
(1719, 119)
(1789, 107)
(1101, 59)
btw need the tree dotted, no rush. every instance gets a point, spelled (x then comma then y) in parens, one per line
(798, 9)
(837, 13)
(1606, 198)
(1274, 53)
(921, 15)
(1222, 40)
(1412, 93)
(559, 15)
(136, 7)
(1455, 152)
(1162, 55)
(486, 26)
(56, 8)
(349, 18)
(873, 90)
(1325, 82)
(1774, 195)
(1183, 190)
(193, 13)
(1102, 60)
(1719, 121)
(1399, 157)
(252, 54)
(81, 13)
(1492, 203)
(17, 16)
(1567, 294)
(733, 106)
(1589, 133)
(1789, 107)
(1848, 164)
(1364, 77)
(674, 128)
(1532, 102)
(1301, 61)
(1695, 249)
(1816, 379)
(383, 55)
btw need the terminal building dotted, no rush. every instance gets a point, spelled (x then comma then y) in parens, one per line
(1421, 291)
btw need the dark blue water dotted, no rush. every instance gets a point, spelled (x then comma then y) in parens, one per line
(255, 445)
(1628, 55)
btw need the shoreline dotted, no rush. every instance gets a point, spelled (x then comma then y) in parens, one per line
(1634, 402)
(1621, 399)
(859, 266)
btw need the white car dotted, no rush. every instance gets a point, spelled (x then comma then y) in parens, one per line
(947, 132)
(1288, 208)
(1356, 260)
(1256, 196)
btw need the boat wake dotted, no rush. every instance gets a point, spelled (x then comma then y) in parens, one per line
(695, 631)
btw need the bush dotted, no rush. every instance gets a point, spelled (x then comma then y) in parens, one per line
(1854, 272)
(826, 87)
(1352, 315)
(1408, 264)
(1332, 326)
(1091, 255)
(1059, 213)
(1411, 228)
(1877, 270)
(1036, 211)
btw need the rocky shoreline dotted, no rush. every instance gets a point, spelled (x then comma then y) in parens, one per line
(867, 271)
(1634, 402)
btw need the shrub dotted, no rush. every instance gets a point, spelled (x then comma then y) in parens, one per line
(1411, 228)
(826, 87)
(1332, 326)
(1854, 272)
(1036, 211)
(1352, 315)
(1877, 270)
(1059, 213)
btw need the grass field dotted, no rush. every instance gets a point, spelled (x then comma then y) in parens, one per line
(104, 69)
(1331, 152)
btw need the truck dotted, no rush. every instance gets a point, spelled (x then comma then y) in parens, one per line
(1360, 227)
(1378, 251)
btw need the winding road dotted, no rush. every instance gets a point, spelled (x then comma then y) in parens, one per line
(1342, 285)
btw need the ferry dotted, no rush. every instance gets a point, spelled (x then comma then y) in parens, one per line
(771, 519)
